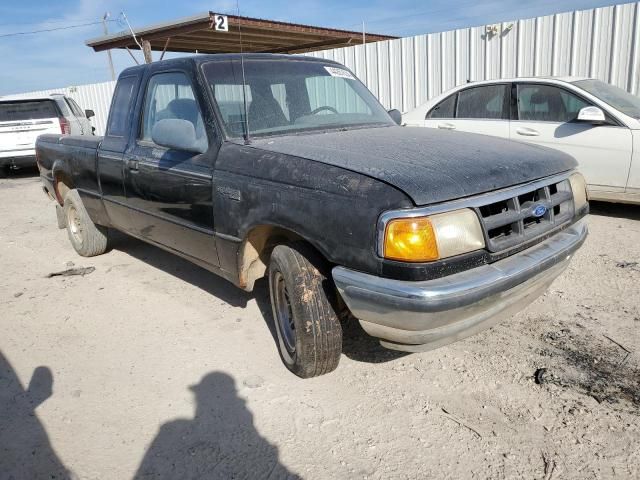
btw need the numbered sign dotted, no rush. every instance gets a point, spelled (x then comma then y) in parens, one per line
(221, 23)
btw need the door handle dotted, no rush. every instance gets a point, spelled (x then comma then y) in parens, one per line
(527, 132)
(446, 126)
(132, 164)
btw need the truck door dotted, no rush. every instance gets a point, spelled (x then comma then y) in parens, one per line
(111, 154)
(170, 191)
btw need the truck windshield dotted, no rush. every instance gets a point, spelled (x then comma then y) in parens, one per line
(28, 110)
(286, 96)
(614, 96)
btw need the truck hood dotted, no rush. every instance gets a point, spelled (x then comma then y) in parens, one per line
(429, 165)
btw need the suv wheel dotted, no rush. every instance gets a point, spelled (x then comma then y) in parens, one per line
(302, 301)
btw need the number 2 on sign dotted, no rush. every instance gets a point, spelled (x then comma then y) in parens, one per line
(221, 23)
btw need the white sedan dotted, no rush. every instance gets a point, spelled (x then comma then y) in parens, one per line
(596, 123)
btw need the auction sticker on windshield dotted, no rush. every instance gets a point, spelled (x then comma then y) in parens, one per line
(339, 72)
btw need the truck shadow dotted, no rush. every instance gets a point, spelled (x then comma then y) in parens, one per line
(25, 449)
(220, 441)
(25, 172)
(617, 210)
(356, 343)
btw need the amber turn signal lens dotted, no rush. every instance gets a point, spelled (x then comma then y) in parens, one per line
(410, 240)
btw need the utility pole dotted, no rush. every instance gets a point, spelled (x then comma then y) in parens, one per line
(146, 51)
(106, 32)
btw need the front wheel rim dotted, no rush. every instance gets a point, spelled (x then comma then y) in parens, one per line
(284, 312)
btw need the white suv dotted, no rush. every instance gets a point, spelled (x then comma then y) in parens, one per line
(597, 123)
(22, 119)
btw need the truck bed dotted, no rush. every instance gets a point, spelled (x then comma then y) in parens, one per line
(72, 156)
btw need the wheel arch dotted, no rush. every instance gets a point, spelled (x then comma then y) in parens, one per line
(255, 251)
(62, 180)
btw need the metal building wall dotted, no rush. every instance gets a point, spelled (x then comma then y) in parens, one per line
(603, 43)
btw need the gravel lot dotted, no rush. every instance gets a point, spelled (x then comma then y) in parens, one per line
(150, 367)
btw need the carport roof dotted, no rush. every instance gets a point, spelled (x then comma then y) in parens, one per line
(197, 33)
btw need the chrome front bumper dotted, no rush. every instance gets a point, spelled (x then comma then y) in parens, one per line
(417, 316)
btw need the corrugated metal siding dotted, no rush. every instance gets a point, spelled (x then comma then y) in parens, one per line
(603, 43)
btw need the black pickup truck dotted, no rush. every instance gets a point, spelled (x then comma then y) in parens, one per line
(288, 167)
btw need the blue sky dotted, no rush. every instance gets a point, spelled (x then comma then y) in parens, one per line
(60, 58)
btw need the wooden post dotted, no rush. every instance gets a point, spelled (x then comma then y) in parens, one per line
(146, 51)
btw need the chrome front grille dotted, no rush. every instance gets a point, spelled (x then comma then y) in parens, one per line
(517, 219)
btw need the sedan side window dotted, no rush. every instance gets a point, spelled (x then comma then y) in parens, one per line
(445, 109)
(487, 102)
(170, 96)
(546, 103)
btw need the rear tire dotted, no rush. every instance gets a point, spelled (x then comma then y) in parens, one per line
(87, 238)
(302, 300)
(60, 217)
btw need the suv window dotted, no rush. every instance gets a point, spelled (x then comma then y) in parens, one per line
(120, 107)
(27, 110)
(488, 102)
(170, 96)
(75, 108)
(445, 109)
(546, 103)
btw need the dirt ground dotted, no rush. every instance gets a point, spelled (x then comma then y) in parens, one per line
(150, 367)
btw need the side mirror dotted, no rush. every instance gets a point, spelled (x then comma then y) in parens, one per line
(89, 113)
(591, 115)
(177, 134)
(396, 116)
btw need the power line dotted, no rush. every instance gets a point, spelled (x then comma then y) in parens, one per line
(45, 22)
(67, 27)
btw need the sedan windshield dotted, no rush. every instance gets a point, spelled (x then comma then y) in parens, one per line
(285, 96)
(614, 96)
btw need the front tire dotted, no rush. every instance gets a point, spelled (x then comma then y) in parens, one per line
(87, 238)
(302, 300)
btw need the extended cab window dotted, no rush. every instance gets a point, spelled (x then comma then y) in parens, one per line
(487, 102)
(170, 96)
(546, 103)
(120, 107)
(445, 109)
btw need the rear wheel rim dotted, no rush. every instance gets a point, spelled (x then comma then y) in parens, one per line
(284, 313)
(73, 221)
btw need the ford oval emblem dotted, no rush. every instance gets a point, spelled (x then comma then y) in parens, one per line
(539, 211)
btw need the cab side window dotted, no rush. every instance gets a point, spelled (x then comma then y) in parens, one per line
(546, 103)
(119, 113)
(445, 109)
(486, 102)
(171, 96)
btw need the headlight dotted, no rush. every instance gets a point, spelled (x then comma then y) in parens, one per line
(425, 239)
(579, 189)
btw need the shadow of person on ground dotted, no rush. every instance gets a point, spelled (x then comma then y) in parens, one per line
(25, 450)
(220, 442)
